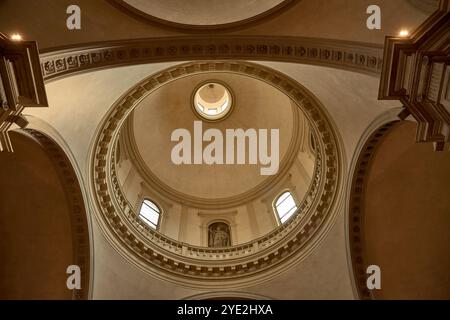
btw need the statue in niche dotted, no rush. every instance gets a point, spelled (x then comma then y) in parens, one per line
(219, 235)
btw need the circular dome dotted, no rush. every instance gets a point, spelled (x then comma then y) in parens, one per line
(212, 101)
(197, 14)
(258, 106)
(168, 255)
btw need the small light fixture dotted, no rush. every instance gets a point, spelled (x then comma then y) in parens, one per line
(16, 37)
(403, 33)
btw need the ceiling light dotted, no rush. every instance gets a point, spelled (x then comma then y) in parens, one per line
(403, 33)
(16, 37)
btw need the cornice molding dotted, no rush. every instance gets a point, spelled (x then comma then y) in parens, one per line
(254, 262)
(354, 56)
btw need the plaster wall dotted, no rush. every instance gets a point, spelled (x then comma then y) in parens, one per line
(34, 215)
(407, 238)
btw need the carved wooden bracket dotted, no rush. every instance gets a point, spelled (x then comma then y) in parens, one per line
(21, 84)
(416, 72)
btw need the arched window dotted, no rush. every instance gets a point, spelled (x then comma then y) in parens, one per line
(150, 213)
(285, 206)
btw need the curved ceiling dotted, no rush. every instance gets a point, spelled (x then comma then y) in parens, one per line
(203, 13)
(294, 239)
(44, 228)
(427, 6)
(403, 224)
(257, 105)
(391, 216)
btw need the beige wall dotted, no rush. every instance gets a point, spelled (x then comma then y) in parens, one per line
(35, 224)
(406, 217)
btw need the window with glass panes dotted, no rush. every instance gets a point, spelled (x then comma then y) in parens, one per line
(150, 213)
(285, 206)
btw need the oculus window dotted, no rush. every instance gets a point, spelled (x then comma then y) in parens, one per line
(213, 101)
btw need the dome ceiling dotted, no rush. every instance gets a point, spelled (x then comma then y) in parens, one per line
(257, 105)
(203, 13)
(168, 253)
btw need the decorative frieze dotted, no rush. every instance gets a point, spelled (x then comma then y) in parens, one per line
(339, 54)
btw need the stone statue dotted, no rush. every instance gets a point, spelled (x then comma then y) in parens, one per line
(219, 235)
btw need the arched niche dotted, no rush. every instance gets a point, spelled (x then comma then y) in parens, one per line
(43, 224)
(399, 216)
(219, 234)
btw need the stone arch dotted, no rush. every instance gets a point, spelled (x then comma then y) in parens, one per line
(43, 221)
(390, 221)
